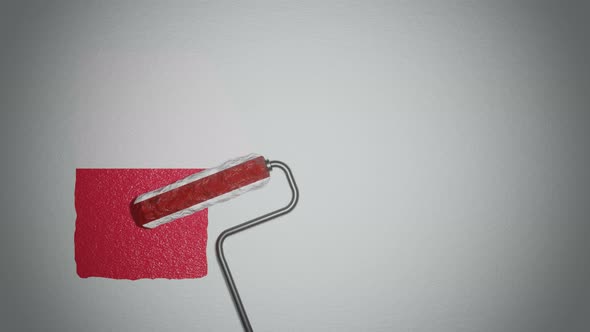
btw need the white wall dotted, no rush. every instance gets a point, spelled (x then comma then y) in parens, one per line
(440, 149)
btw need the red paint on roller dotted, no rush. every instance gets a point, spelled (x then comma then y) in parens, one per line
(200, 191)
(109, 244)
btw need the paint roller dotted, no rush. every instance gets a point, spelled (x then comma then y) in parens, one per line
(206, 188)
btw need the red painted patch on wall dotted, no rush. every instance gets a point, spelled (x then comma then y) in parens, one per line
(109, 244)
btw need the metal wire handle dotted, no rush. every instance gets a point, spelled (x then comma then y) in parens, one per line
(251, 223)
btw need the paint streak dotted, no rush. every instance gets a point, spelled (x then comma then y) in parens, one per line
(109, 244)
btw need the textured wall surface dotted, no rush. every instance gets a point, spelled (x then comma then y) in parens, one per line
(109, 243)
(441, 149)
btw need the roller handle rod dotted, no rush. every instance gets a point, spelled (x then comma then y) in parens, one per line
(251, 223)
